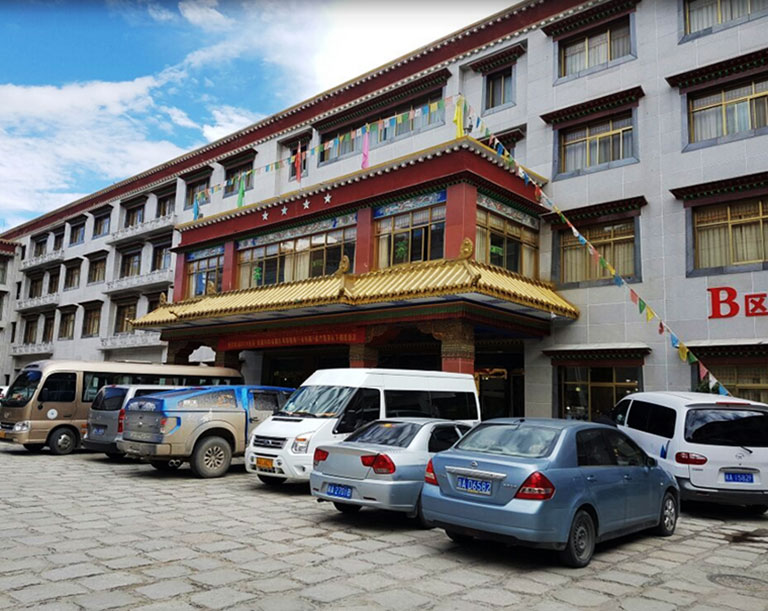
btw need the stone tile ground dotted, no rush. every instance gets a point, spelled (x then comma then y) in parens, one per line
(86, 532)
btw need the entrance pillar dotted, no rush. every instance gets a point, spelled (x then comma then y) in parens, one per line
(457, 349)
(179, 351)
(363, 355)
(228, 358)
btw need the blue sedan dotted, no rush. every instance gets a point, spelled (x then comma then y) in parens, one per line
(557, 484)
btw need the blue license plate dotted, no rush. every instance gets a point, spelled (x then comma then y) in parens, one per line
(97, 430)
(344, 492)
(740, 478)
(476, 486)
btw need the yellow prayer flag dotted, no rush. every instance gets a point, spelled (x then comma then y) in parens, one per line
(649, 314)
(433, 107)
(610, 269)
(458, 117)
(682, 351)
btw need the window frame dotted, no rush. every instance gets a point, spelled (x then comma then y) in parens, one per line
(507, 236)
(487, 81)
(165, 248)
(134, 216)
(189, 198)
(122, 316)
(95, 265)
(49, 324)
(30, 331)
(293, 150)
(66, 325)
(91, 318)
(127, 265)
(165, 205)
(75, 284)
(589, 139)
(35, 286)
(684, 21)
(189, 274)
(104, 219)
(232, 173)
(394, 231)
(75, 231)
(560, 385)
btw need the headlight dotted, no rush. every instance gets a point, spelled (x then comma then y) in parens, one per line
(21, 427)
(301, 443)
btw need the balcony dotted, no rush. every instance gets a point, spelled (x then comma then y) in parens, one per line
(158, 279)
(56, 256)
(137, 339)
(37, 302)
(31, 349)
(145, 229)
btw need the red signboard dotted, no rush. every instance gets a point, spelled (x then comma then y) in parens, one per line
(725, 303)
(248, 341)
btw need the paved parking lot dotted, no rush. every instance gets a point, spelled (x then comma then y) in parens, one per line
(85, 532)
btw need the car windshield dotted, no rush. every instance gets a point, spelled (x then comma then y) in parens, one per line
(317, 401)
(523, 440)
(398, 434)
(23, 388)
(109, 399)
(727, 427)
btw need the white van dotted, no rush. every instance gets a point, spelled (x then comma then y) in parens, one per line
(716, 447)
(332, 403)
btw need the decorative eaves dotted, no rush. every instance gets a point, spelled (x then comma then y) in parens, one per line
(500, 59)
(726, 69)
(589, 18)
(584, 110)
(731, 186)
(596, 211)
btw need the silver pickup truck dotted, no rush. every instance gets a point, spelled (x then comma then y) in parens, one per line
(206, 426)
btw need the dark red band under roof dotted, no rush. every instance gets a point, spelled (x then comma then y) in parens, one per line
(736, 67)
(7, 247)
(500, 59)
(718, 190)
(589, 18)
(597, 354)
(596, 211)
(598, 106)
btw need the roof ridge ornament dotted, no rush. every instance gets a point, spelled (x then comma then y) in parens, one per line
(343, 266)
(466, 249)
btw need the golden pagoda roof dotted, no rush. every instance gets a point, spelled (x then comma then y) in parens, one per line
(445, 277)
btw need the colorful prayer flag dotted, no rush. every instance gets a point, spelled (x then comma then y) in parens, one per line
(196, 207)
(633, 296)
(366, 148)
(617, 280)
(649, 314)
(458, 117)
(703, 371)
(674, 340)
(661, 328)
(241, 192)
(298, 164)
(682, 352)
(640, 305)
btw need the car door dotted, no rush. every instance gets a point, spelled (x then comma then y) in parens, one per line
(603, 479)
(58, 397)
(261, 405)
(633, 464)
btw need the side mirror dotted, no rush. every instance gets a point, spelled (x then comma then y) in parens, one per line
(650, 462)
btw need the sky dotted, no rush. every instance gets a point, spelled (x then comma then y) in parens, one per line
(95, 91)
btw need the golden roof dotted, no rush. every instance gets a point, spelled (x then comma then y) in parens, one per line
(398, 283)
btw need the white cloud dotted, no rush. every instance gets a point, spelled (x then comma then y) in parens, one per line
(159, 13)
(228, 119)
(179, 117)
(203, 14)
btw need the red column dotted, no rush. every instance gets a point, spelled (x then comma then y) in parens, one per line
(180, 278)
(364, 244)
(229, 274)
(460, 217)
(459, 364)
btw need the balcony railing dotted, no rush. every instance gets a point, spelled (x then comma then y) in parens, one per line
(150, 226)
(160, 277)
(37, 302)
(49, 257)
(25, 349)
(137, 339)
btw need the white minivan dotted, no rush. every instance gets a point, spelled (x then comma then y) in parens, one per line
(716, 446)
(332, 403)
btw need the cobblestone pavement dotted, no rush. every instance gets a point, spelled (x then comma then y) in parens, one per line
(85, 532)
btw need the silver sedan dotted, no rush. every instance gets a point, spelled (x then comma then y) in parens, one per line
(382, 464)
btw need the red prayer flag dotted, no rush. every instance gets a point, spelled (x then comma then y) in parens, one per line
(661, 328)
(702, 371)
(298, 164)
(633, 296)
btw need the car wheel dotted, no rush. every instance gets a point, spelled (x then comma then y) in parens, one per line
(581, 541)
(271, 481)
(757, 510)
(346, 507)
(33, 447)
(165, 465)
(62, 441)
(115, 455)
(458, 537)
(668, 517)
(211, 457)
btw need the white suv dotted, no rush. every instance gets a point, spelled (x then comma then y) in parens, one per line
(716, 447)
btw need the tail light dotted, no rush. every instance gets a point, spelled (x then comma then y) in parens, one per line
(320, 456)
(368, 459)
(429, 474)
(690, 458)
(120, 421)
(536, 488)
(381, 463)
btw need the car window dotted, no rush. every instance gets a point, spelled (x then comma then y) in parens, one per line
(652, 418)
(592, 449)
(619, 413)
(442, 438)
(217, 399)
(109, 399)
(60, 387)
(727, 427)
(638, 416)
(263, 401)
(399, 434)
(364, 407)
(624, 450)
(525, 440)
(454, 405)
(408, 403)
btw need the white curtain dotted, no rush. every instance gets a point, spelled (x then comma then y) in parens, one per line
(712, 247)
(573, 263)
(737, 117)
(575, 156)
(707, 124)
(598, 49)
(530, 261)
(481, 245)
(620, 42)
(733, 9)
(624, 258)
(701, 14)
(383, 251)
(747, 243)
(574, 58)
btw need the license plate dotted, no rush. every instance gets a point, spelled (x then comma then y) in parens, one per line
(475, 486)
(345, 492)
(740, 478)
(264, 463)
(97, 430)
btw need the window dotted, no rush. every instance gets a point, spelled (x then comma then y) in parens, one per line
(294, 149)
(652, 418)
(414, 116)
(126, 312)
(60, 387)
(619, 413)
(40, 247)
(507, 244)
(703, 14)
(298, 259)
(134, 216)
(363, 407)
(499, 88)
(731, 234)
(53, 281)
(72, 277)
(745, 381)
(234, 175)
(588, 393)
(624, 450)
(153, 302)
(592, 449)
(395, 434)
(101, 226)
(411, 237)
(13, 332)
(524, 440)
(67, 324)
(48, 323)
(442, 438)
(35, 287)
(58, 241)
(261, 402)
(77, 234)
(596, 143)
(130, 264)
(165, 204)
(91, 321)
(732, 427)
(203, 271)
(3, 271)
(195, 188)
(30, 330)
(730, 110)
(615, 243)
(424, 404)
(454, 405)
(161, 257)
(97, 270)
(597, 48)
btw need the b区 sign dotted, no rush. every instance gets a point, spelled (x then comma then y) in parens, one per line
(245, 341)
(725, 303)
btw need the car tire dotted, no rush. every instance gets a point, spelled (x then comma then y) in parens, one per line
(62, 441)
(346, 507)
(211, 457)
(34, 447)
(115, 455)
(271, 481)
(165, 465)
(668, 516)
(757, 510)
(458, 537)
(581, 541)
